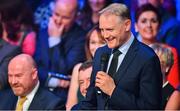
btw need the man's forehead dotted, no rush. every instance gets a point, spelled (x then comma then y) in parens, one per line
(108, 22)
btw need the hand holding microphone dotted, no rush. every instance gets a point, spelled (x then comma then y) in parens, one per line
(103, 81)
(103, 65)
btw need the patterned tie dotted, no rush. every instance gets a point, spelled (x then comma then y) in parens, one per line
(114, 63)
(20, 103)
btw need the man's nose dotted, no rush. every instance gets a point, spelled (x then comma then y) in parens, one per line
(105, 34)
(14, 80)
(86, 84)
(58, 20)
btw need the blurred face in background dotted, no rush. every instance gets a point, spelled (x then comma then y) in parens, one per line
(97, 5)
(155, 3)
(147, 25)
(84, 80)
(95, 42)
(64, 13)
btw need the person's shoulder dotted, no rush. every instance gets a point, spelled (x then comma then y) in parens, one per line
(145, 51)
(10, 47)
(77, 29)
(48, 94)
(103, 48)
(50, 100)
(6, 93)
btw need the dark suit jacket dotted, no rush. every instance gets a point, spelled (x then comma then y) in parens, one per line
(62, 57)
(7, 52)
(43, 100)
(138, 81)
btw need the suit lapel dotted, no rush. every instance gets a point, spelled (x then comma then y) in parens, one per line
(126, 62)
(37, 101)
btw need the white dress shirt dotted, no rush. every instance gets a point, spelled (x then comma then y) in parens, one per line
(29, 97)
(123, 49)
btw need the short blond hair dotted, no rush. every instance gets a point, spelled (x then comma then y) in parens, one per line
(117, 9)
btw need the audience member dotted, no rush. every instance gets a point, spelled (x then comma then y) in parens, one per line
(124, 85)
(84, 76)
(169, 31)
(44, 12)
(166, 59)
(89, 16)
(7, 51)
(26, 93)
(18, 25)
(60, 47)
(174, 100)
(93, 41)
(147, 24)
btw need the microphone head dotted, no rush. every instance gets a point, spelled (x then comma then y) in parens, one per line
(104, 61)
(104, 58)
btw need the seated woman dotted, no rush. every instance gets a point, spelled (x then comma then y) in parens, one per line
(174, 100)
(166, 59)
(93, 41)
(147, 24)
(18, 25)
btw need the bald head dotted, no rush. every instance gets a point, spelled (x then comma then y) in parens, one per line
(72, 4)
(64, 13)
(23, 60)
(22, 74)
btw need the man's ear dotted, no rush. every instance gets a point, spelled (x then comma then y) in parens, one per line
(127, 25)
(34, 73)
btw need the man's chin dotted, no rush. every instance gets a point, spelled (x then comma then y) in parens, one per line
(17, 92)
(111, 46)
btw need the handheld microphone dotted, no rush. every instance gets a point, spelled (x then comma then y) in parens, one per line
(103, 65)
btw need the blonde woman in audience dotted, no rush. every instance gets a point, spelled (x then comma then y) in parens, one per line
(166, 59)
(93, 41)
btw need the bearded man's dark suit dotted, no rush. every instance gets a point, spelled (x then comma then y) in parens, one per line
(138, 81)
(7, 52)
(43, 100)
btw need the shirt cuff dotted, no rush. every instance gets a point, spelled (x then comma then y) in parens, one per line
(53, 82)
(54, 41)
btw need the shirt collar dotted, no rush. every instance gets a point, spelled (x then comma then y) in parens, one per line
(124, 48)
(30, 96)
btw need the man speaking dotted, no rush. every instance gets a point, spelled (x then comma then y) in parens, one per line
(132, 79)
